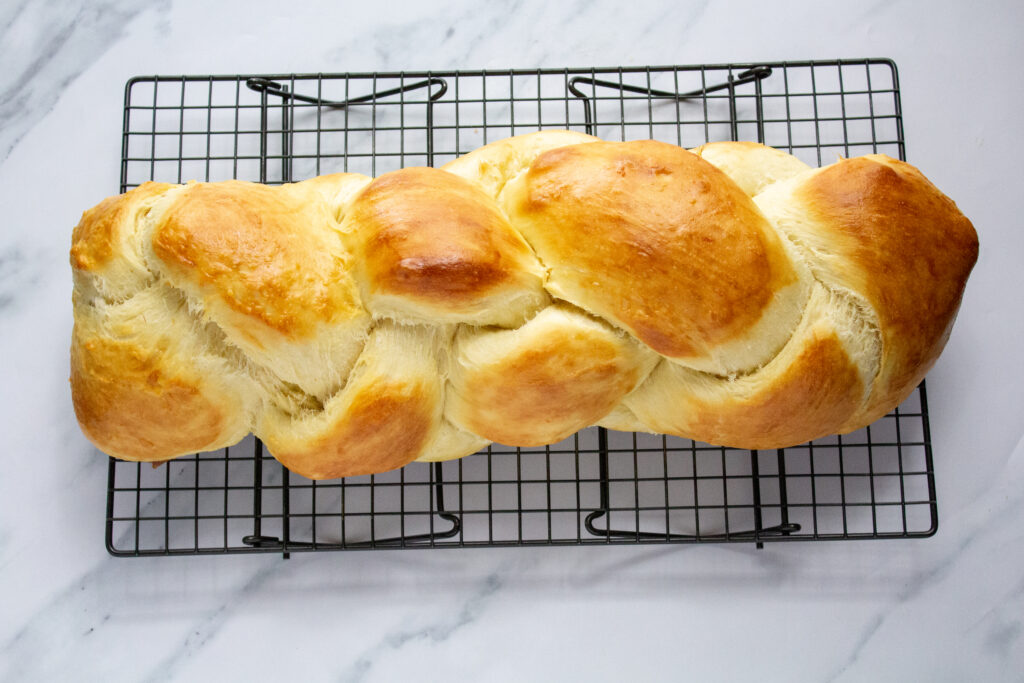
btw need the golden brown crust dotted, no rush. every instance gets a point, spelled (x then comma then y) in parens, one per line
(130, 405)
(94, 239)
(536, 385)
(652, 238)
(268, 253)
(812, 398)
(785, 303)
(385, 427)
(438, 241)
(810, 389)
(388, 412)
(909, 251)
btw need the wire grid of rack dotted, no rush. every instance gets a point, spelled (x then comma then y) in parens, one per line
(597, 487)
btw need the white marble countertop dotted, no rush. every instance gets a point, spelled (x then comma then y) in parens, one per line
(945, 608)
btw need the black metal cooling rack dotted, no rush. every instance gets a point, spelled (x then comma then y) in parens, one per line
(597, 487)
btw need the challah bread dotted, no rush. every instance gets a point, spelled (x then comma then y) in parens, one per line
(524, 291)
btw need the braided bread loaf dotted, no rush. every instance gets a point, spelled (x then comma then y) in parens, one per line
(529, 289)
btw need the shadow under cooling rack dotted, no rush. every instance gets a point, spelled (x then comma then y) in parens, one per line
(597, 487)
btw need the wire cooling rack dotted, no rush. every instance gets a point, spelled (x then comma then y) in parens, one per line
(597, 487)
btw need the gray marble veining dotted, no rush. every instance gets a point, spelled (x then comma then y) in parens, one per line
(946, 608)
(44, 47)
(441, 629)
